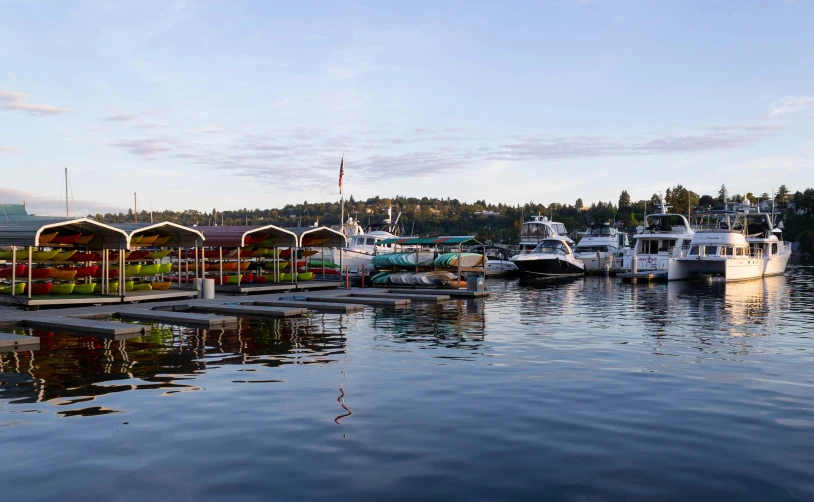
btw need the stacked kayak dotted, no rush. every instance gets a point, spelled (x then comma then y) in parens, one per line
(463, 260)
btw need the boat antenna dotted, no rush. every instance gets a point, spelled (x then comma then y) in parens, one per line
(67, 213)
(135, 208)
(773, 203)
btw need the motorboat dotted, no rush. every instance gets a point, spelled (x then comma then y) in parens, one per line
(498, 261)
(551, 258)
(602, 248)
(539, 228)
(762, 236)
(654, 241)
(719, 248)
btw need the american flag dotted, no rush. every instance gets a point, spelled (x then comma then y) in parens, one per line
(341, 172)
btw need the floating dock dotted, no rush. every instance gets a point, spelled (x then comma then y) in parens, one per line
(86, 327)
(320, 306)
(10, 342)
(177, 318)
(250, 311)
(404, 296)
(455, 293)
(256, 289)
(373, 302)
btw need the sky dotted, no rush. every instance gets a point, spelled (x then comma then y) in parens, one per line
(195, 105)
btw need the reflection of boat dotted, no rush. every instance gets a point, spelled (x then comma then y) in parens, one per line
(718, 248)
(602, 248)
(539, 228)
(654, 241)
(550, 259)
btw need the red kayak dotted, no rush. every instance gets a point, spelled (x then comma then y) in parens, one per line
(84, 271)
(138, 255)
(86, 257)
(111, 272)
(6, 271)
(40, 273)
(253, 240)
(209, 254)
(328, 271)
(65, 239)
(41, 288)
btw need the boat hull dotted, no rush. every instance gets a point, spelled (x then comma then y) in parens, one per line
(549, 267)
(730, 269)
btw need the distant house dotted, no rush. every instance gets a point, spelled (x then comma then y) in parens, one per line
(487, 213)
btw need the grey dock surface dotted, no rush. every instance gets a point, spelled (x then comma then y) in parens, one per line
(373, 302)
(85, 327)
(12, 342)
(403, 296)
(458, 293)
(340, 308)
(176, 318)
(249, 310)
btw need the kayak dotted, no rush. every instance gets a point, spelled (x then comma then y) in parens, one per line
(82, 271)
(62, 274)
(64, 255)
(245, 265)
(328, 271)
(86, 257)
(22, 255)
(46, 238)
(161, 240)
(305, 276)
(129, 269)
(149, 269)
(44, 255)
(111, 273)
(142, 286)
(158, 255)
(84, 289)
(129, 285)
(253, 240)
(246, 278)
(136, 239)
(41, 288)
(137, 255)
(19, 289)
(320, 263)
(164, 268)
(84, 239)
(315, 241)
(6, 271)
(301, 253)
(161, 285)
(66, 239)
(147, 240)
(40, 273)
(62, 289)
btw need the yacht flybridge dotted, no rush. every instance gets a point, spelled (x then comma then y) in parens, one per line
(539, 228)
(602, 248)
(719, 248)
(654, 241)
(763, 237)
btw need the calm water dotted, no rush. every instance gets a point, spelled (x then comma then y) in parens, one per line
(586, 390)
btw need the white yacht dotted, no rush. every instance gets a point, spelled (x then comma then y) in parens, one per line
(498, 261)
(654, 241)
(602, 248)
(539, 228)
(551, 258)
(762, 236)
(718, 248)
(362, 246)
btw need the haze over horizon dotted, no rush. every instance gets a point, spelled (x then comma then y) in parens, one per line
(195, 105)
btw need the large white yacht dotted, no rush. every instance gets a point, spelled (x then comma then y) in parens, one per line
(654, 241)
(602, 248)
(762, 236)
(362, 246)
(539, 228)
(718, 248)
(552, 258)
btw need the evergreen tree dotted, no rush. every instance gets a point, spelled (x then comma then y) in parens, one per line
(579, 204)
(722, 193)
(782, 195)
(624, 200)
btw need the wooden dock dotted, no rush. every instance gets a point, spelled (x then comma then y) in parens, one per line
(177, 318)
(279, 287)
(86, 327)
(319, 306)
(250, 311)
(10, 342)
(403, 296)
(455, 293)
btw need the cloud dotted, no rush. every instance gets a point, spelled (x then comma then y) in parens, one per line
(147, 148)
(790, 104)
(7, 149)
(121, 117)
(54, 206)
(17, 101)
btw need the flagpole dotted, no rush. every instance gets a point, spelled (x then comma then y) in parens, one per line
(342, 195)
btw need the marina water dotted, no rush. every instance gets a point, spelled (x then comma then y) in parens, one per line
(584, 390)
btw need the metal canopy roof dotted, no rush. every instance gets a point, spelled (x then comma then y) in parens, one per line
(26, 233)
(335, 238)
(236, 236)
(180, 236)
(432, 241)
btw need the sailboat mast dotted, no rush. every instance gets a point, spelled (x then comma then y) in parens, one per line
(135, 209)
(67, 212)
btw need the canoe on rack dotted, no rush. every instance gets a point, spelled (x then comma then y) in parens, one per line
(86, 257)
(46, 238)
(41, 273)
(111, 273)
(253, 240)
(62, 274)
(149, 269)
(64, 255)
(136, 239)
(158, 255)
(245, 279)
(84, 239)
(129, 269)
(62, 289)
(41, 288)
(161, 285)
(44, 255)
(148, 240)
(161, 240)
(142, 286)
(83, 289)
(164, 268)
(137, 255)
(82, 271)
(22, 254)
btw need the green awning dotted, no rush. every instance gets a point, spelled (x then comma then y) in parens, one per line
(429, 241)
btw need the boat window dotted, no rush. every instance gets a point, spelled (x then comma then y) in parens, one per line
(560, 228)
(551, 247)
(727, 251)
(371, 241)
(739, 251)
(774, 248)
(693, 250)
(711, 250)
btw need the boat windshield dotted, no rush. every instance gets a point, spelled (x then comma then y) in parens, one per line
(723, 220)
(599, 230)
(664, 222)
(551, 247)
(534, 229)
(559, 228)
(758, 223)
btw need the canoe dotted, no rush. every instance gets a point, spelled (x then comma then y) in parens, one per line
(142, 286)
(46, 238)
(19, 289)
(62, 275)
(113, 287)
(253, 240)
(111, 273)
(82, 271)
(62, 289)
(164, 268)
(41, 288)
(85, 239)
(41, 273)
(305, 276)
(86, 257)
(6, 271)
(66, 239)
(148, 240)
(160, 285)
(149, 269)
(136, 239)
(44, 255)
(268, 253)
(22, 255)
(64, 255)
(129, 269)
(158, 255)
(137, 255)
(84, 289)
